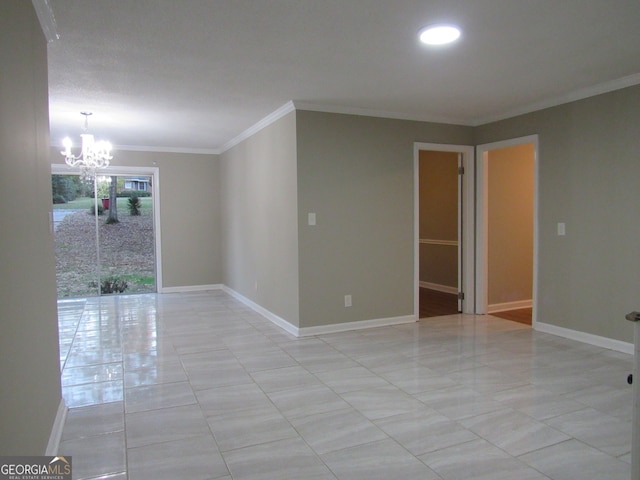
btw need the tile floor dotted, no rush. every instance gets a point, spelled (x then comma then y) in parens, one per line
(198, 386)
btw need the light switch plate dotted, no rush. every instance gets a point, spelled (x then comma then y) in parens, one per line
(312, 219)
(562, 229)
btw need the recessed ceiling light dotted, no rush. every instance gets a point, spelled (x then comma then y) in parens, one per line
(439, 34)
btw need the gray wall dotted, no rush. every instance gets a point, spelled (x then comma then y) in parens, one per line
(190, 213)
(260, 218)
(29, 355)
(356, 173)
(589, 166)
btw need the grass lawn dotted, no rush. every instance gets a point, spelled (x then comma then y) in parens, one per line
(126, 249)
(82, 203)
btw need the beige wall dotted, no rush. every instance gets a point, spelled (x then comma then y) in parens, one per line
(29, 354)
(589, 167)
(356, 173)
(260, 218)
(190, 209)
(438, 173)
(510, 200)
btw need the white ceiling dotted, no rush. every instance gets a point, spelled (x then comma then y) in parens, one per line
(192, 75)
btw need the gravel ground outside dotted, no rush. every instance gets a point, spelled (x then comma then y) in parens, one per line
(126, 251)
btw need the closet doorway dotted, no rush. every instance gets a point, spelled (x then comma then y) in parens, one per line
(444, 229)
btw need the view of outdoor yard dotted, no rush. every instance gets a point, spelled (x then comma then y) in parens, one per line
(127, 258)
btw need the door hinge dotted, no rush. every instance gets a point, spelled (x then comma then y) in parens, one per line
(460, 170)
(460, 295)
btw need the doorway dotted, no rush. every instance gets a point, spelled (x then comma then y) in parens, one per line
(444, 229)
(115, 251)
(507, 239)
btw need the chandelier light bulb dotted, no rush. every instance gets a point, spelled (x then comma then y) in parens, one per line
(67, 144)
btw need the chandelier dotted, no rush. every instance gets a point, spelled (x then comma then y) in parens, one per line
(94, 155)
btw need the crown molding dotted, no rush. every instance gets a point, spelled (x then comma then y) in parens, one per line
(44, 11)
(265, 122)
(367, 112)
(581, 94)
(291, 106)
(143, 148)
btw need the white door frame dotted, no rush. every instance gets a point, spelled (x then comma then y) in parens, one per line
(481, 281)
(154, 172)
(468, 218)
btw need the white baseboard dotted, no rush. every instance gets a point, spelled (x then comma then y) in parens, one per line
(596, 340)
(56, 432)
(191, 288)
(439, 288)
(501, 307)
(359, 325)
(583, 337)
(321, 329)
(272, 317)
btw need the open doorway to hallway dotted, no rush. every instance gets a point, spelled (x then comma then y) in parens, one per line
(506, 223)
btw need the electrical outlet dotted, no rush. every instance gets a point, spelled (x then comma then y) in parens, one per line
(347, 301)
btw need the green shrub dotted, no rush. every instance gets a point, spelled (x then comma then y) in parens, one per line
(134, 205)
(58, 199)
(111, 284)
(67, 186)
(92, 210)
(133, 193)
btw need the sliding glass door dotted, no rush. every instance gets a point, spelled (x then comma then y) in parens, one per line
(116, 253)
